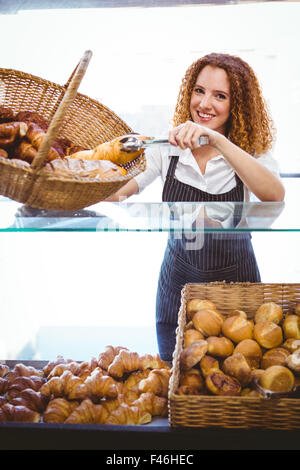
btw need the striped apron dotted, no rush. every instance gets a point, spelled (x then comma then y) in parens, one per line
(225, 257)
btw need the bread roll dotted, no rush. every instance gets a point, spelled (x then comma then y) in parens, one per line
(291, 327)
(269, 311)
(237, 328)
(208, 322)
(293, 361)
(268, 334)
(194, 305)
(219, 383)
(277, 379)
(190, 336)
(208, 364)
(219, 346)
(251, 350)
(191, 355)
(237, 312)
(274, 357)
(291, 344)
(192, 378)
(237, 366)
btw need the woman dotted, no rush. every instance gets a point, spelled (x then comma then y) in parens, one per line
(220, 97)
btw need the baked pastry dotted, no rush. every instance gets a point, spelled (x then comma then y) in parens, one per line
(157, 382)
(190, 336)
(208, 364)
(237, 328)
(273, 357)
(95, 169)
(293, 361)
(32, 116)
(7, 114)
(208, 322)
(192, 378)
(256, 375)
(237, 312)
(4, 369)
(95, 387)
(277, 379)
(58, 410)
(88, 412)
(113, 151)
(268, 334)
(194, 305)
(10, 132)
(219, 383)
(35, 136)
(269, 311)
(251, 350)
(191, 355)
(129, 415)
(219, 346)
(153, 404)
(237, 366)
(296, 309)
(106, 357)
(291, 344)
(291, 326)
(18, 413)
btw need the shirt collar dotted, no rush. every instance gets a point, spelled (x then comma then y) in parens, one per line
(186, 157)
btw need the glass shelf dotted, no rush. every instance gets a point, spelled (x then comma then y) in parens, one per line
(154, 217)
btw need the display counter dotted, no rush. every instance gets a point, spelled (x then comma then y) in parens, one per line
(190, 220)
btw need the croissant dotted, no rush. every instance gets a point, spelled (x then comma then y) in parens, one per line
(95, 386)
(19, 413)
(3, 385)
(59, 369)
(21, 370)
(95, 169)
(124, 362)
(113, 151)
(10, 131)
(31, 399)
(51, 364)
(25, 151)
(32, 116)
(132, 382)
(20, 383)
(35, 135)
(61, 386)
(153, 404)
(107, 356)
(4, 369)
(129, 415)
(157, 382)
(58, 410)
(152, 362)
(2, 400)
(88, 412)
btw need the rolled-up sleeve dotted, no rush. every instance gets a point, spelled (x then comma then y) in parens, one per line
(153, 168)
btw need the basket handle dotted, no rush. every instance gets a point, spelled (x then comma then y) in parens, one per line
(61, 111)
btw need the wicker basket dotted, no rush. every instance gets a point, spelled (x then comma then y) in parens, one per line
(73, 115)
(232, 412)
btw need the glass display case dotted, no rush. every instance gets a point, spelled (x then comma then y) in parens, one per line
(73, 282)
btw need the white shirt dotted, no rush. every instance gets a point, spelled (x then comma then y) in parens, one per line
(219, 176)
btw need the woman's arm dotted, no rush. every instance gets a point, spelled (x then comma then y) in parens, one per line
(259, 180)
(125, 192)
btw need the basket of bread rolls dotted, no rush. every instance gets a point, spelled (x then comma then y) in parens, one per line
(59, 149)
(236, 363)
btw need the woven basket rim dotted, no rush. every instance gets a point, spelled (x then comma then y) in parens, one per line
(62, 88)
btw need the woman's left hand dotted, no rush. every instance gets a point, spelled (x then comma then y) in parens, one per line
(187, 135)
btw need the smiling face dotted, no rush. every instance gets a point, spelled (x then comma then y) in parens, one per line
(210, 99)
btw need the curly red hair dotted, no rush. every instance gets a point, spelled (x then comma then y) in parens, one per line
(250, 125)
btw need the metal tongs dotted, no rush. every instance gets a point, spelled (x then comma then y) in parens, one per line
(133, 143)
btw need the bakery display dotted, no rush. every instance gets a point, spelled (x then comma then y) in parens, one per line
(237, 355)
(118, 387)
(22, 133)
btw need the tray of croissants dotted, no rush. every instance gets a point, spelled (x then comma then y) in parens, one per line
(225, 358)
(119, 387)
